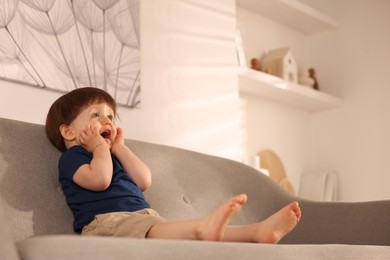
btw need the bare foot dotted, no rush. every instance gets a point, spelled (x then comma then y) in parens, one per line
(278, 225)
(212, 227)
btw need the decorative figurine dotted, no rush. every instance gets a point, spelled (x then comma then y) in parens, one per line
(255, 64)
(281, 63)
(312, 75)
(304, 78)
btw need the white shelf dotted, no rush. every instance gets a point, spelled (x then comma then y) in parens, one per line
(270, 87)
(291, 13)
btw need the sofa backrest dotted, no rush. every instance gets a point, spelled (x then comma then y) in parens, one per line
(29, 189)
(189, 184)
(185, 184)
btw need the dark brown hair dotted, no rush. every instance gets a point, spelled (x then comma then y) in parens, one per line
(66, 108)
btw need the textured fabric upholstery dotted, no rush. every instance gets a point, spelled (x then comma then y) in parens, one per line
(8, 249)
(29, 184)
(65, 248)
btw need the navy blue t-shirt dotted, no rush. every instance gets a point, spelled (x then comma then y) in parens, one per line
(122, 195)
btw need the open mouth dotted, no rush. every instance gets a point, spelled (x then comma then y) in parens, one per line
(106, 134)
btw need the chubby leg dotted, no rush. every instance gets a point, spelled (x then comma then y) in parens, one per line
(211, 227)
(270, 230)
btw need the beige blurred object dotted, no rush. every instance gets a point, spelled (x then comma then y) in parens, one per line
(255, 64)
(280, 63)
(321, 185)
(270, 161)
(304, 78)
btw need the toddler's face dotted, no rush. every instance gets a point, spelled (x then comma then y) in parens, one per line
(99, 116)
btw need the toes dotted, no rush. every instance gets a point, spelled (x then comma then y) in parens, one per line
(240, 199)
(296, 209)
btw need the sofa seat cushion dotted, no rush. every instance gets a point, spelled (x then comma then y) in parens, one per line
(77, 247)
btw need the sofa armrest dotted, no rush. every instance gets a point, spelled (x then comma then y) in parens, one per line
(358, 223)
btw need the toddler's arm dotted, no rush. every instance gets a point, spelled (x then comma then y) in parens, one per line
(137, 169)
(97, 175)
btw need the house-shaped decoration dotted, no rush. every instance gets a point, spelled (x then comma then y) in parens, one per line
(281, 63)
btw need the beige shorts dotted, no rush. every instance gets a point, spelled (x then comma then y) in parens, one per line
(123, 224)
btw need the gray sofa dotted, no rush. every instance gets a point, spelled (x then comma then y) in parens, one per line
(37, 224)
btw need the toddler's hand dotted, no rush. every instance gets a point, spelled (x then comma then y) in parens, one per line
(119, 141)
(90, 138)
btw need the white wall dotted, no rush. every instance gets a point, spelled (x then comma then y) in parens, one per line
(272, 125)
(188, 66)
(355, 139)
(189, 81)
(25, 103)
(281, 128)
(353, 63)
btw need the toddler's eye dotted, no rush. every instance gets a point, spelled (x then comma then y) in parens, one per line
(111, 117)
(95, 115)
